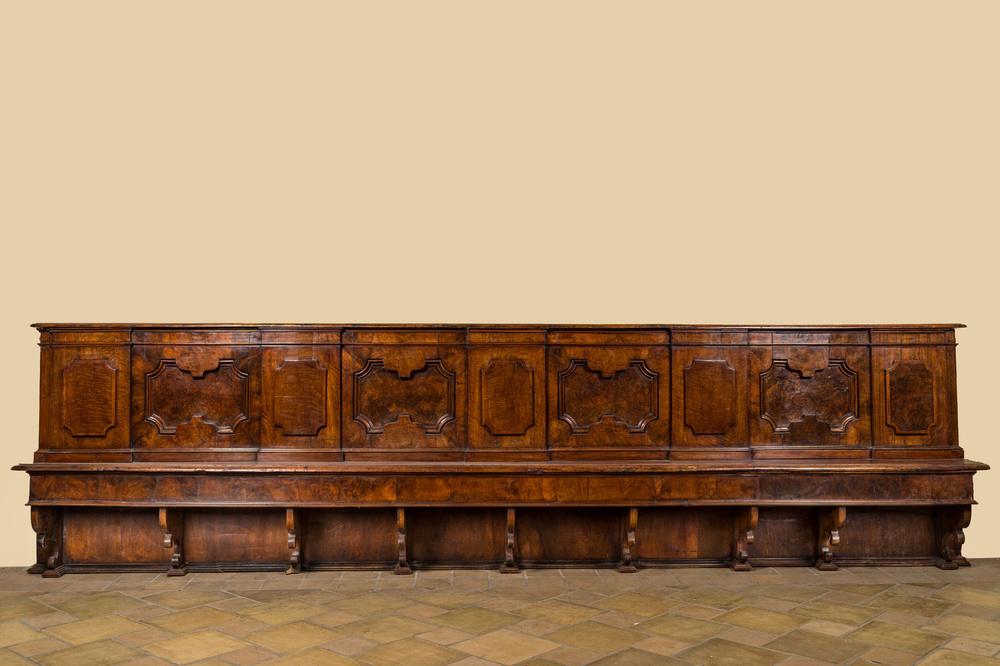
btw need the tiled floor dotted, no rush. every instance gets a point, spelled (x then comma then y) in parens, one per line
(791, 616)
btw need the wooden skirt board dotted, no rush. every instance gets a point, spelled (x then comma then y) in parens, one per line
(311, 447)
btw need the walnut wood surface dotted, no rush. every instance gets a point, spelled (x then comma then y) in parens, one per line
(192, 447)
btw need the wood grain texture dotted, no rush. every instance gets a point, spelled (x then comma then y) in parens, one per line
(291, 447)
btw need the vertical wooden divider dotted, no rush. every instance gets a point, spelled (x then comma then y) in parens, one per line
(47, 523)
(508, 566)
(951, 522)
(744, 523)
(831, 521)
(172, 524)
(292, 525)
(402, 568)
(628, 545)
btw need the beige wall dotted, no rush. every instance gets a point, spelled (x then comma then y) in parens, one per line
(711, 162)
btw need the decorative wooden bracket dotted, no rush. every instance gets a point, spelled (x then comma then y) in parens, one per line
(47, 524)
(402, 568)
(172, 524)
(294, 541)
(508, 565)
(628, 545)
(744, 523)
(951, 523)
(831, 521)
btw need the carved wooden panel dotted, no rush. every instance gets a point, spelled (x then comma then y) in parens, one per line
(507, 397)
(915, 397)
(300, 414)
(815, 399)
(403, 397)
(909, 395)
(192, 397)
(88, 407)
(710, 401)
(88, 397)
(611, 396)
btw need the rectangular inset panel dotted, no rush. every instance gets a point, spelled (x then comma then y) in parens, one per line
(451, 537)
(810, 401)
(349, 538)
(915, 404)
(235, 536)
(300, 414)
(609, 402)
(785, 535)
(195, 403)
(882, 534)
(695, 535)
(86, 404)
(507, 400)
(113, 536)
(710, 402)
(573, 537)
(404, 401)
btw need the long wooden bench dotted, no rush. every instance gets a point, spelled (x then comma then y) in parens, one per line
(290, 447)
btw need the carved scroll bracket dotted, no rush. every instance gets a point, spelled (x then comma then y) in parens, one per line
(744, 524)
(628, 545)
(172, 524)
(831, 521)
(402, 567)
(47, 524)
(508, 565)
(952, 522)
(294, 535)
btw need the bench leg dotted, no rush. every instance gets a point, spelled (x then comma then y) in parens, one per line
(626, 565)
(402, 568)
(508, 566)
(172, 524)
(47, 524)
(744, 523)
(831, 521)
(951, 523)
(294, 537)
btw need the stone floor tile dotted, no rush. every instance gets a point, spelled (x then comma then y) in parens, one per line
(571, 656)
(534, 627)
(660, 645)
(452, 599)
(952, 658)
(596, 637)
(281, 612)
(895, 637)
(12, 633)
(445, 636)
(504, 604)
(192, 619)
(19, 607)
(369, 604)
(336, 618)
(828, 628)
(883, 655)
(558, 612)
(837, 612)
(504, 646)
(818, 646)
(98, 653)
(904, 603)
(248, 656)
(680, 628)
(410, 651)
(293, 636)
(971, 646)
(140, 638)
(902, 619)
(387, 628)
(778, 605)
(195, 647)
(785, 591)
(981, 612)
(182, 600)
(966, 627)
(475, 621)
(713, 597)
(702, 612)
(349, 645)
(635, 603)
(720, 652)
(636, 657)
(146, 612)
(312, 657)
(85, 631)
(623, 620)
(40, 646)
(759, 619)
(99, 604)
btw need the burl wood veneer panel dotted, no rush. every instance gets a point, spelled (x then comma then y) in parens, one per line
(195, 402)
(710, 403)
(607, 399)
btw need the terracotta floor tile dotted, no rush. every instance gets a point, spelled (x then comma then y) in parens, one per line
(293, 636)
(681, 628)
(895, 637)
(505, 646)
(596, 637)
(387, 629)
(558, 612)
(312, 657)
(720, 652)
(410, 651)
(759, 619)
(85, 631)
(195, 647)
(99, 653)
(370, 604)
(193, 619)
(475, 621)
(966, 627)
